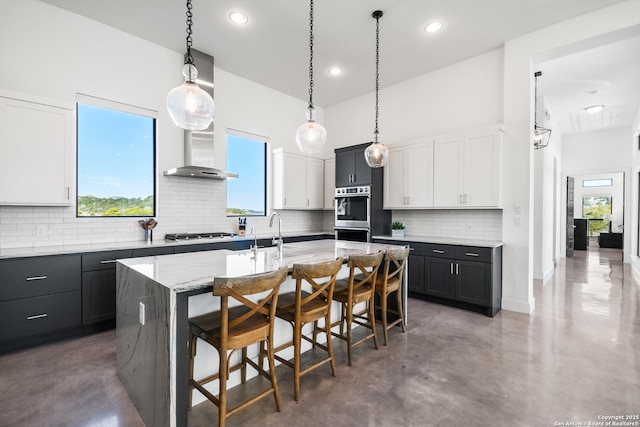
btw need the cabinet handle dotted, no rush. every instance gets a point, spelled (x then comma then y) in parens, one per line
(451, 264)
(465, 198)
(408, 200)
(354, 177)
(471, 254)
(307, 202)
(107, 261)
(68, 193)
(29, 279)
(460, 198)
(437, 251)
(285, 201)
(457, 269)
(37, 316)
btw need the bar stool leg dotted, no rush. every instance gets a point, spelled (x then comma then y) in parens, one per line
(243, 370)
(400, 311)
(327, 323)
(272, 372)
(383, 309)
(192, 354)
(222, 396)
(349, 333)
(297, 338)
(372, 322)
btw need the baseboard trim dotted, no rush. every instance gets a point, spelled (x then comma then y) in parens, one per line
(518, 306)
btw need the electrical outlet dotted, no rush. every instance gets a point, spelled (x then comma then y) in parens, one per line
(129, 228)
(141, 314)
(517, 220)
(517, 209)
(41, 230)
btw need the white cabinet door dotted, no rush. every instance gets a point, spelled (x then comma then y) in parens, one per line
(36, 153)
(419, 176)
(315, 183)
(394, 179)
(329, 183)
(298, 181)
(482, 169)
(447, 172)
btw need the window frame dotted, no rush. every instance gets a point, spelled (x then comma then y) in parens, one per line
(124, 108)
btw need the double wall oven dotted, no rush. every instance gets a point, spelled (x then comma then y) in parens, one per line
(353, 213)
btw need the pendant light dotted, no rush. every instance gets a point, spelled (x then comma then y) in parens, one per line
(377, 153)
(189, 106)
(311, 135)
(541, 135)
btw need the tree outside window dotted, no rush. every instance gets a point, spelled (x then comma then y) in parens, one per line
(595, 208)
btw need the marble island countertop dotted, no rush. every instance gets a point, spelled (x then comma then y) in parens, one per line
(442, 240)
(193, 271)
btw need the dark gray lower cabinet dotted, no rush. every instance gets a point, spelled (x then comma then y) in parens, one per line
(462, 276)
(99, 285)
(40, 299)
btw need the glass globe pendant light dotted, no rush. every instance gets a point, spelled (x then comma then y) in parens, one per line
(190, 107)
(377, 153)
(311, 135)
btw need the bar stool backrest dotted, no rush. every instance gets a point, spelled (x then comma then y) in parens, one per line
(363, 270)
(395, 259)
(308, 273)
(238, 287)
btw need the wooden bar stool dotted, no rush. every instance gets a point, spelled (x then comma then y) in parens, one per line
(389, 280)
(359, 288)
(236, 328)
(302, 307)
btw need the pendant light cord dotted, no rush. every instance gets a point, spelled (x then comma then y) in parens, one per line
(311, 54)
(377, 15)
(188, 59)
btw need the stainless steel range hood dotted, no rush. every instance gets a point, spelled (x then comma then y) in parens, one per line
(198, 145)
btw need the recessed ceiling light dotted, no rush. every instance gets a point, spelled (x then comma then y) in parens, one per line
(594, 109)
(335, 71)
(434, 27)
(238, 17)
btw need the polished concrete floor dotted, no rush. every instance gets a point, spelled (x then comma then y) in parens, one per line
(576, 358)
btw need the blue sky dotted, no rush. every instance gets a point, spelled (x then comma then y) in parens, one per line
(115, 153)
(246, 157)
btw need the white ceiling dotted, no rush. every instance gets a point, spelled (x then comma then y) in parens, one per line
(272, 49)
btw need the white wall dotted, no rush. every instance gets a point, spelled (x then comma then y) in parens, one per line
(518, 121)
(604, 150)
(52, 53)
(632, 226)
(546, 205)
(461, 96)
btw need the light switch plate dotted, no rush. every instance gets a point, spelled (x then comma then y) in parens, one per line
(517, 209)
(517, 220)
(141, 314)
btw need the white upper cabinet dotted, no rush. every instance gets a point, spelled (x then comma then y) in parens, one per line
(298, 181)
(36, 151)
(408, 179)
(467, 170)
(329, 183)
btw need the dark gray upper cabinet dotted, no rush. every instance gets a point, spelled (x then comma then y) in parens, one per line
(351, 166)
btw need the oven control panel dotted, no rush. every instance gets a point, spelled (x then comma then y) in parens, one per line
(352, 191)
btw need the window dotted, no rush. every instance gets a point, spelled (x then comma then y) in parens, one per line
(247, 156)
(596, 208)
(608, 182)
(116, 159)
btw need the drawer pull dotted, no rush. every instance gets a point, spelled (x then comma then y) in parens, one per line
(29, 279)
(37, 316)
(452, 268)
(108, 261)
(437, 251)
(471, 254)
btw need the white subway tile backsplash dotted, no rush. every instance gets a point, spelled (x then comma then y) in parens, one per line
(194, 205)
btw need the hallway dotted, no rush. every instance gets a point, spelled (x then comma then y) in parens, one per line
(577, 357)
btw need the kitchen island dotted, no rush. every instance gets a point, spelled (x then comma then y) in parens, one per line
(157, 295)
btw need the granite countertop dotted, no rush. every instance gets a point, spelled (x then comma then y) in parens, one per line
(136, 244)
(193, 271)
(442, 240)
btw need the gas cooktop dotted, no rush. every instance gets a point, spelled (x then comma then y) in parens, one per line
(195, 236)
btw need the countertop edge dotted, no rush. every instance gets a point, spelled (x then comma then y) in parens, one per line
(443, 241)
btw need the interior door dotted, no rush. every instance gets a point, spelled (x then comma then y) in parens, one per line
(570, 226)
